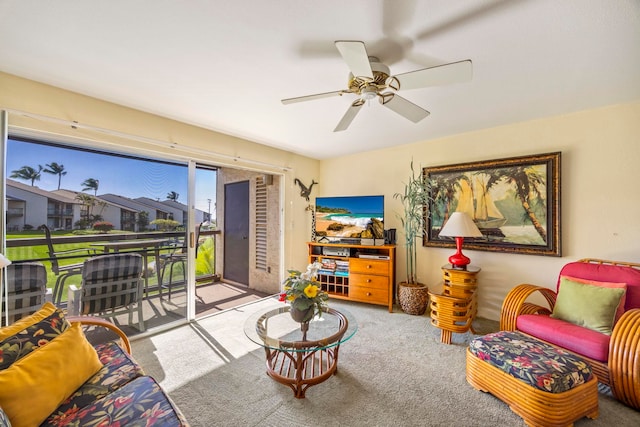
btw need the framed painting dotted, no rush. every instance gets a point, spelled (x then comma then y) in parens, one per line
(515, 202)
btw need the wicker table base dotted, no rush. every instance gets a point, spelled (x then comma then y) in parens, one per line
(300, 355)
(301, 370)
(536, 407)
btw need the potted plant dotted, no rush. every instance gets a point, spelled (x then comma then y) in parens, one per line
(304, 293)
(412, 296)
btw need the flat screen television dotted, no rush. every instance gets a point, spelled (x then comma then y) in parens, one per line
(346, 216)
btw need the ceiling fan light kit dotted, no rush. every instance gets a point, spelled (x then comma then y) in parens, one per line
(369, 78)
(369, 92)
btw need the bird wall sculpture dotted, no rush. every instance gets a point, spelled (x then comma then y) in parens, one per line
(304, 191)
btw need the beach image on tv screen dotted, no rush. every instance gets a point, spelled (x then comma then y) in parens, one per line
(347, 216)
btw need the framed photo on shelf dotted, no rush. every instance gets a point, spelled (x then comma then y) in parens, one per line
(515, 202)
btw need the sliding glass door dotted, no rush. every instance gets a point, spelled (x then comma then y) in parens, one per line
(94, 202)
(205, 237)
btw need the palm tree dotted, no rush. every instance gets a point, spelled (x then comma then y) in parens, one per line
(55, 169)
(529, 187)
(91, 184)
(173, 196)
(88, 202)
(444, 189)
(27, 173)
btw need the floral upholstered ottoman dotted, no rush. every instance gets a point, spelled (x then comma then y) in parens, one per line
(544, 384)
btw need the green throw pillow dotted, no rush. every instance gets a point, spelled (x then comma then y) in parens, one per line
(593, 307)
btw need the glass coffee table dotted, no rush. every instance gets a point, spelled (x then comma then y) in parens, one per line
(300, 355)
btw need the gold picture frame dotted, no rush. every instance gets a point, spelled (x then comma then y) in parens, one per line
(514, 201)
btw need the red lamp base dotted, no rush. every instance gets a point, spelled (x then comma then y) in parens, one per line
(458, 260)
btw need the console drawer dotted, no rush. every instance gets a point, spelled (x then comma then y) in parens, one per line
(369, 266)
(369, 281)
(371, 295)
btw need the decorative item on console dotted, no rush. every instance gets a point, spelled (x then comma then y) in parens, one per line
(390, 236)
(313, 222)
(305, 192)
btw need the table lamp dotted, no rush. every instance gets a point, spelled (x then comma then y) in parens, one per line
(459, 225)
(4, 261)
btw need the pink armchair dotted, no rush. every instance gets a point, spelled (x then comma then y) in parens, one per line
(615, 358)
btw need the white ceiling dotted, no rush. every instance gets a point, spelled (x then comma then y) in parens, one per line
(225, 65)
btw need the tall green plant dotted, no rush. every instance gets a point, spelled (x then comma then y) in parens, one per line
(415, 202)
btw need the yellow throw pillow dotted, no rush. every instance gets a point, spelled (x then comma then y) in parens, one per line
(34, 386)
(45, 311)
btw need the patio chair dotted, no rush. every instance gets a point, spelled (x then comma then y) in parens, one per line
(111, 285)
(27, 289)
(63, 272)
(177, 256)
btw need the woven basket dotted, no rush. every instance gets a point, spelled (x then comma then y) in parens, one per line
(413, 298)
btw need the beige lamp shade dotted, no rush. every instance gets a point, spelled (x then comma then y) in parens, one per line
(460, 225)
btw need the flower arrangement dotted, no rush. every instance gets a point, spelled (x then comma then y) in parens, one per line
(304, 292)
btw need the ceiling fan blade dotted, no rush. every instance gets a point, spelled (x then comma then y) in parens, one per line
(456, 72)
(311, 97)
(349, 115)
(405, 108)
(355, 55)
(397, 15)
(470, 15)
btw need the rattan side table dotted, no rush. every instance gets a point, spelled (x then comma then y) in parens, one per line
(453, 310)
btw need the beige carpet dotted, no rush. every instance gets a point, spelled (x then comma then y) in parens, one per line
(393, 372)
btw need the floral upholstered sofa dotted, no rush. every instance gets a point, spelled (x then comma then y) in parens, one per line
(51, 375)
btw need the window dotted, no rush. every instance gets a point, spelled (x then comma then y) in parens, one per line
(81, 187)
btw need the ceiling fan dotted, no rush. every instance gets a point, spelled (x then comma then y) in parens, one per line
(369, 78)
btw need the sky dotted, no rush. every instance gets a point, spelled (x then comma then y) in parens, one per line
(355, 204)
(118, 175)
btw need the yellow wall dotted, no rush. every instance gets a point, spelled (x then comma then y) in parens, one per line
(600, 193)
(600, 199)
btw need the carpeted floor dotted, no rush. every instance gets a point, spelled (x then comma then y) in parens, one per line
(393, 372)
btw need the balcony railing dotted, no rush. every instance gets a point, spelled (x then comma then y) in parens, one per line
(35, 249)
(59, 211)
(159, 309)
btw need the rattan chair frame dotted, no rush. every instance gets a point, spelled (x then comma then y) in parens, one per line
(622, 370)
(87, 321)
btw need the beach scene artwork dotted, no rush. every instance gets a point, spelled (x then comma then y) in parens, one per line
(347, 216)
(514, 202)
